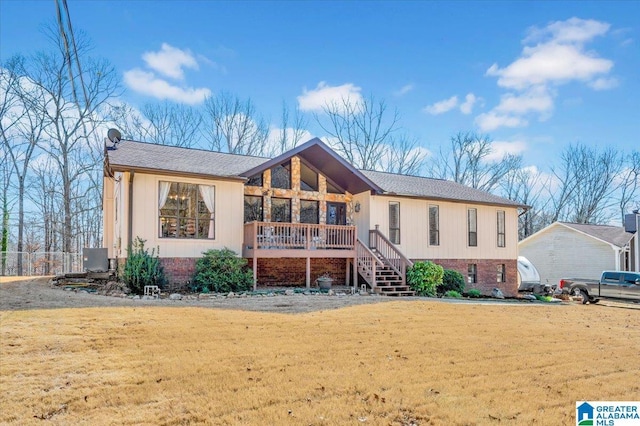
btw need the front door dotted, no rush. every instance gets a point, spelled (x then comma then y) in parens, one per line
(336, 214)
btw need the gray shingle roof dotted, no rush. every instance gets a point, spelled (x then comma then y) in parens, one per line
(170, 159)
(615, 235)
(440, 189)
(147, 156)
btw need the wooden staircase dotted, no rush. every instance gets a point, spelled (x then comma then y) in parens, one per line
(383, 266)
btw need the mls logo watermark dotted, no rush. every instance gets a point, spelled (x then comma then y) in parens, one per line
(608, 413)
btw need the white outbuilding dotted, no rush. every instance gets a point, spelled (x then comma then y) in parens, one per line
(572, 250)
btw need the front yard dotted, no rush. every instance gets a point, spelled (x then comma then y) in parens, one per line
(404, 362)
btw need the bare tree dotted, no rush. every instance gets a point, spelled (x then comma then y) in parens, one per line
(630, 184)
(71, 122)
(6, 172)
(292, 131)
(526, 186)
(46, 197)
(232, 125)
(587, 184)
(468, 161)
(21, 129)
(163, 123)
(404, 156)
(359, 129)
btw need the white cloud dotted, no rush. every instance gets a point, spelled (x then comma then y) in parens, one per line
(404, 90)
(442, 106)
(170, 61)
(573, 30)
(501, 148)
(148, 84)
(467, 106)
(537, 99)
(550, 63)
(491, 120)
(323, 95)
(552, 56)
(604, 83)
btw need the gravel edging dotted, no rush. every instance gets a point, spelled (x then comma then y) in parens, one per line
(37, 293)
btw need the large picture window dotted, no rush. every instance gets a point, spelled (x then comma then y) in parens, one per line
(434, 225)
(281, 176)
(281, 210)
(308, 178)
(186, 210)
(252, 208)
(394, 222)
(309, 211)
(501, 232)
(255, 180)
(472, 226)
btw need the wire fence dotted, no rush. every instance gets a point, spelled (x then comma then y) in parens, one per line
(16, 263)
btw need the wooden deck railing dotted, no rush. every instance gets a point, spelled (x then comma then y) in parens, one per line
(298, 236)
(392, 256)
(368, 263)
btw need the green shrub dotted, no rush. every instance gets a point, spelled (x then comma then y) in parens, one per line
(424, 277)
(452, 293)
(141, 268)
(451, 280)
(474, 292)
(222, 271)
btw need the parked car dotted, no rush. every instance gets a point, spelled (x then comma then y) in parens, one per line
(612, 284)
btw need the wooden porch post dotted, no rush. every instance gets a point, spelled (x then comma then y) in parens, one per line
(348, 272)
(255, 258)
(308, 272)
(355, 273)
(255, 273)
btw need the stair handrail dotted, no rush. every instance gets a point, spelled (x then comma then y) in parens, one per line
(385, 248)
(363, 253)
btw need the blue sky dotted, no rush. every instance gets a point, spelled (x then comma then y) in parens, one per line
(535, 76)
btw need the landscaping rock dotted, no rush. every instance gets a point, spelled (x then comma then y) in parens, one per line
(175, 296)
(290, 292)
(497, 293)
(529, 297)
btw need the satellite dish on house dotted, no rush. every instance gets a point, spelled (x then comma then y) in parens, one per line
(114, 135)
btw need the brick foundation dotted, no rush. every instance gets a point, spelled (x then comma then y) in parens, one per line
(292, 271)
(486, 273)
(179, 272)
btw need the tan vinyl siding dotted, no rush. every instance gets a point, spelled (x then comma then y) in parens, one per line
(229, 215)
(414, 222)
(108, 212)
(560, 252)
(362, 219)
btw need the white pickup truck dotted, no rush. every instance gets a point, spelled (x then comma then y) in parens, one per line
(612, 284)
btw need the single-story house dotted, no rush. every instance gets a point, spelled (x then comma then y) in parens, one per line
(304, 213)
(573, 250)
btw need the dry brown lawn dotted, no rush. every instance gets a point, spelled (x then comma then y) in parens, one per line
(389, 363)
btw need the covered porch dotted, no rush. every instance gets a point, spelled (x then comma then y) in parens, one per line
(300, 240)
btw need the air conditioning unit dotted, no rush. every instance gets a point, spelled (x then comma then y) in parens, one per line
(95, 260)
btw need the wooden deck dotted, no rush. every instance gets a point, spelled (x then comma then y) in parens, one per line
(274, 239)
(380, 263)
(299, 240)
